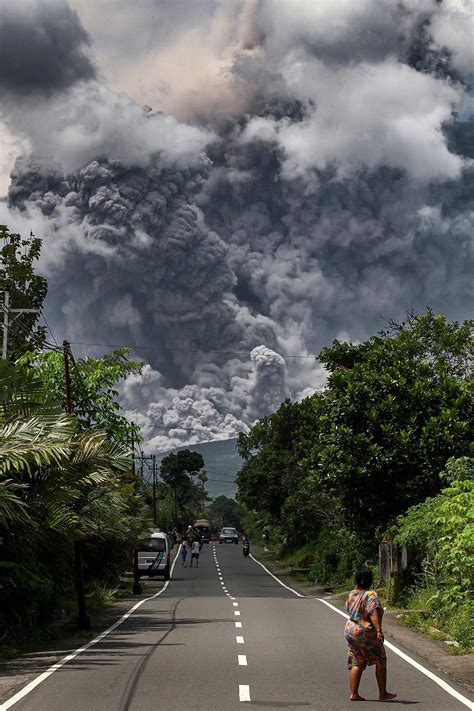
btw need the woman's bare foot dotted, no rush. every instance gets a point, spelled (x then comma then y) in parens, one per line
(387, 697)
(356, 697)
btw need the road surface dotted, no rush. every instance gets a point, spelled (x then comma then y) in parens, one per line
(220, 637)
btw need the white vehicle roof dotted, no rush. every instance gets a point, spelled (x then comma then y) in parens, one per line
(155, 533)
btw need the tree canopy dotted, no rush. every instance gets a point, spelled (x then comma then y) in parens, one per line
(374, 442)
(26, 290)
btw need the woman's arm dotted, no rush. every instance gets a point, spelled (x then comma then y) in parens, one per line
(376, 620)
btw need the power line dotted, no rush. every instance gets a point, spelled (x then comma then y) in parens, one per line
(49, 329)
(181, 350)
(27, 332)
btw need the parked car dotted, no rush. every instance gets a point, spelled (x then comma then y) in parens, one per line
(154, 555)
(229, 535)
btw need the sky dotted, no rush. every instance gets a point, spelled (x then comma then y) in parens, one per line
(229, 186)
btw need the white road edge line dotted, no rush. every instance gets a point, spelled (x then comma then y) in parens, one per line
(444, 685)
(69, 657)
(242, 660)
(244, 692)
(413, 663)
(275, 578)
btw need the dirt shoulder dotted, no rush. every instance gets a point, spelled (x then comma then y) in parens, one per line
(458, 667)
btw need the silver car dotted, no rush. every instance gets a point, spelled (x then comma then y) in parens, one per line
(229, 535)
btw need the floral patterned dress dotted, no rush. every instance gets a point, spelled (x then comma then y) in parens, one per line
(364, 647)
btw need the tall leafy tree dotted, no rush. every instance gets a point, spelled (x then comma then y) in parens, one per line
(94, 383)
(271, 471)
(177, 472)
(26, 290)
(374, 442)
(225, 511)
(396, 409)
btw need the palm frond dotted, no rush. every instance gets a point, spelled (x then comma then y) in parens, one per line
(12, 509)
(40, 441)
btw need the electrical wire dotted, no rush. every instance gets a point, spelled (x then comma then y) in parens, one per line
(182, 350)
(26, 330)
(49, 329)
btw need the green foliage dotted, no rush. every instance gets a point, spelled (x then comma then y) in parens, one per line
(271, 472)
(393, 418)
(27, 290)
(225, 511)
(58, 483)
(443, 528)
(177, 471)
(337, 553)
(339, 467)
(93, 388)
(455, 624)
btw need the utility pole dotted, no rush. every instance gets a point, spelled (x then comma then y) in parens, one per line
(137, 588)
(133, 452)
(82, 621)
(153, 459)
(6, 320)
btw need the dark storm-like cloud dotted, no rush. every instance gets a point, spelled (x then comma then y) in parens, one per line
(43, 47)
(334, 190)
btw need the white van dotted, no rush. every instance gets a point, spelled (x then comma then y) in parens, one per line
(154, 555)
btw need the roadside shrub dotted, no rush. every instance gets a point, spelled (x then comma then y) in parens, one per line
(337, 554)
(442, 527)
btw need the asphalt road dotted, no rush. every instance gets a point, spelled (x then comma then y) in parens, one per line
(219, 635)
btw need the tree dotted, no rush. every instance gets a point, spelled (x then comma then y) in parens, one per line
(93, 388)
(271, 472)
(176, 472)
(374, 442)
(59, 484)
(26, 290)
(397, 407)
(226, 512)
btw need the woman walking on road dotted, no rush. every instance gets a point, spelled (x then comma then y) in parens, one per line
(363, 632)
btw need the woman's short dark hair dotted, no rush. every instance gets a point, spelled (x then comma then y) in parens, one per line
(364, 578)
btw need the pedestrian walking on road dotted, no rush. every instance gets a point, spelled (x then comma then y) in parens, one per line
(363, 632)
(195, 554)
(184, 554)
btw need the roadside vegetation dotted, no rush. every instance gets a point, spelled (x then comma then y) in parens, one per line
(67, 487)
(384, 450)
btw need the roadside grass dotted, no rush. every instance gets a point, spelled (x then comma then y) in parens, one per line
(303, 567)
(454, 625)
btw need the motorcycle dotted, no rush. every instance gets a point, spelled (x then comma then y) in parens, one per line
(246, 548)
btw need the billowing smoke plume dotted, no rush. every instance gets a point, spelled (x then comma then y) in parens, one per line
(43, 47)
(319, 180)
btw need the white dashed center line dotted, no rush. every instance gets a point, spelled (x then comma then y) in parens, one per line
(235, 604)
(239, 640)
(244, 692)
(236, 612)
(242, 660)
(238, 625)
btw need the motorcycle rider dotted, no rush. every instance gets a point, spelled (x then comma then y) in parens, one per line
(246, 545)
